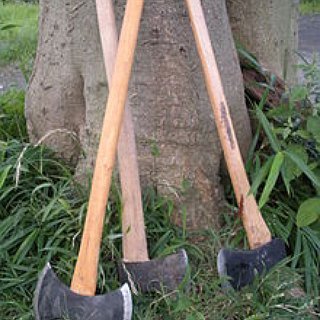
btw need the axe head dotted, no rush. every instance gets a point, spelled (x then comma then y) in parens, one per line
(54, 300)
(241, 266)
(157, 274)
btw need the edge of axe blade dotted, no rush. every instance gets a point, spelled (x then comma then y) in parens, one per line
(125, 291)
(154, 275)
(254, 261)
(37, 291)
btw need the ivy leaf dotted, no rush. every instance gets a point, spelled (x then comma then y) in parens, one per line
(309, 212)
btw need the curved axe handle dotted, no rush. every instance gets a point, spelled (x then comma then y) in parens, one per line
(85, 275)
(134, 243)
(256, 228)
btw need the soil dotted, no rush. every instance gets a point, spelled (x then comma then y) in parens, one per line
(11, 77)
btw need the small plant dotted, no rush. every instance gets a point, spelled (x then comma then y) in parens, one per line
(284, 165)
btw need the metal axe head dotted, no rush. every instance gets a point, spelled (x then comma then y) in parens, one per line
(157, 274)
(54, 300)
(241, 266)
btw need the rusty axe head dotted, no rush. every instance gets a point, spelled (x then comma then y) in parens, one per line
(155, 275)
(54, 300)
(241, 266)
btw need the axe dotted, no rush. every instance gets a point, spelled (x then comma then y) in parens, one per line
(136, 268)
(54, 300)
(239, 266)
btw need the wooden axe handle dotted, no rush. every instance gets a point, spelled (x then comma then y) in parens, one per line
(134, 241)
(85, 275)
(256, 228)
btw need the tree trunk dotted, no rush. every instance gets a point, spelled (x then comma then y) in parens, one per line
(269, 29)
(178, 147)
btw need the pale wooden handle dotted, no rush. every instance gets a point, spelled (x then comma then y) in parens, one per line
(256, 228)
(85, 274)
(134, 241)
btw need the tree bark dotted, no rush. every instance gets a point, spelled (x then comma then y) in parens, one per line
(269, 29)
(178, 147)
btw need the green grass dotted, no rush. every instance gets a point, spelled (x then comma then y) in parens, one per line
(310, 6)
(41, 218)
(18, 35)
(12, 121)
(40, 222)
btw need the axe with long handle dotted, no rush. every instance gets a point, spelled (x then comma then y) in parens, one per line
(240, 266)
(53, 300)
(147, 275)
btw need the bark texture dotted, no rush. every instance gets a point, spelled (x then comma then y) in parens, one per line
(178, 147)
(269, 29)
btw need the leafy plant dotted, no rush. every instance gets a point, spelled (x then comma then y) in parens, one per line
(284, 167)
(12, 120)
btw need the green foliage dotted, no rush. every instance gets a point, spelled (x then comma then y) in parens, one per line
(285, 171)
(41, 220)
(309, 212)
(18, 35)
(309, 6)
(12, 120)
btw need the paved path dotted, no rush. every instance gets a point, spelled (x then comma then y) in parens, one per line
(309, 33)
(11, 77)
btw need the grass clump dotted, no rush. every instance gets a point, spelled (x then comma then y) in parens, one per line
(42, 216)
(41, 220)
(18, 35)
(12, 120)
(310, 6)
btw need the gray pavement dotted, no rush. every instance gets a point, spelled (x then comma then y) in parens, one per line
(309, 33)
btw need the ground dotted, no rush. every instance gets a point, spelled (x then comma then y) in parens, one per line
(309, 35)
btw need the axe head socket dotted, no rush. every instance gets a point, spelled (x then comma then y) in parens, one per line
(54, 300)
(241, 266)
(162, 274)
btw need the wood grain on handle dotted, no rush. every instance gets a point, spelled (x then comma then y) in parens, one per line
(256, 228)
(85, 275)
(134, 241)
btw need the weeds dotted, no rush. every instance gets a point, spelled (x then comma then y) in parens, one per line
(310, 6)
(41, 217)
(12, 121)
(41, 221)
(284, 168)
(18, 35)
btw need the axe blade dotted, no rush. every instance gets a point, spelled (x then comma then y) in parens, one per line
(241, 266)
(165, 273)
(54, 300)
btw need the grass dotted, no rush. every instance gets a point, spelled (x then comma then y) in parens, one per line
(41, 218)
(18, 35)
(12, 124)
(310, 6)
